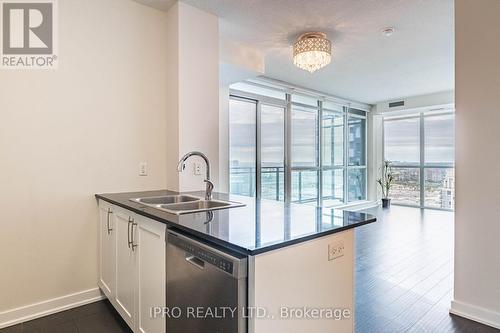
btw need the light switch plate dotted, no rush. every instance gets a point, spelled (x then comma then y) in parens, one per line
(143, 169)
(335, 250)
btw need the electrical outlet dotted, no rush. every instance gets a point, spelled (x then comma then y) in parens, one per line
(197, 168)
(335, 250)
(143, 169)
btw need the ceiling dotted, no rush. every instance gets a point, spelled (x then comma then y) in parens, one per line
(158, 4)
(367, 67)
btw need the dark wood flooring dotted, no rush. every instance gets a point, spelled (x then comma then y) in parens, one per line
(404, 281)
(404, 273)
(98, 317)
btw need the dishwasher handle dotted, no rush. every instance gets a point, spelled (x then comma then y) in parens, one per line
(197, 262)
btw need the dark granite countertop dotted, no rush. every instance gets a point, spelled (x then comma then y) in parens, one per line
(260, 226)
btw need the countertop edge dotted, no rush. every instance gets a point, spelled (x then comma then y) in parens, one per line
(311, 237)
(229, 246)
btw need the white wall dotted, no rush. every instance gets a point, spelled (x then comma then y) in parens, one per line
(172, 97)
(198, 90)
(477, 226)
(193, 103)
(66, 134)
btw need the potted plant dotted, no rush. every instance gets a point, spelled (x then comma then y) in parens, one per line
(385, 183)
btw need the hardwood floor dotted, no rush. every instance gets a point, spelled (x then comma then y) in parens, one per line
(404, 273)
(404, 281)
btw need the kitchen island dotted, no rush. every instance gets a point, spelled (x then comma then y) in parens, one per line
(299, 259)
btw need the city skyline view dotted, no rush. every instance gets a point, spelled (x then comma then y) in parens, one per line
(422, 159)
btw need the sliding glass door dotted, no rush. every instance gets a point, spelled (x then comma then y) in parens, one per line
(305, 163)
(242, 146)
(357, 156)
(296, 148)
(332, 156)
(272, 152)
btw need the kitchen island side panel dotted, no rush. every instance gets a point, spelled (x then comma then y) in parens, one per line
(301, 276)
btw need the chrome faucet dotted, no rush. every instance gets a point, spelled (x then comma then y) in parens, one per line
(182, 165)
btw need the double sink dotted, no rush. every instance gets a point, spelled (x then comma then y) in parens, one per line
(185, 204)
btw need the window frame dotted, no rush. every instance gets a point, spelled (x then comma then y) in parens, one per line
(333, 167)
(248, 100)
(317, 152)
(288, 105)
(422, 165)
(347, 166)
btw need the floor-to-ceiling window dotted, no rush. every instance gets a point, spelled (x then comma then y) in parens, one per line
(295, 147)
(422, 153)
(357, 155)
(305, 153)
(243, 145)
(272, 151)
(333, 142)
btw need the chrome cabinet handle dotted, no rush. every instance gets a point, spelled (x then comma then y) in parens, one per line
(134, 224)
(107, 221)
(130, 221)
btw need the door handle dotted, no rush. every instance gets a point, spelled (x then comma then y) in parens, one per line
(132, 237)
(107, 221)
(130, 221)
(198, 263)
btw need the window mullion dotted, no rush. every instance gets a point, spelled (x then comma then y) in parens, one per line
(288, 149)
(258, 157)
(422, 161)
(346, 154)
(319, 174)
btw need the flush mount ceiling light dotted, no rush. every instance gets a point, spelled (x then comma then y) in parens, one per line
(312, 51)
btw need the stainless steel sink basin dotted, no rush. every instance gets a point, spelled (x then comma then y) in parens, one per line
(166, 199)
(185, 204)
(198, 206)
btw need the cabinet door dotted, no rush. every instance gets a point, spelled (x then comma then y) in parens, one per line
(107, 249)
(126, 276)
(150, 241)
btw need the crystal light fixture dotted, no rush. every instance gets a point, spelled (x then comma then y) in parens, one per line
(312, 51)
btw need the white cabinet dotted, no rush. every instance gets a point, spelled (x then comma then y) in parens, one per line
(126, 262)
(132, 269)
(107, 244)
(151, 274)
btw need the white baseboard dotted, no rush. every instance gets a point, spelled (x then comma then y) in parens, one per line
(472, 312)
(44, 308)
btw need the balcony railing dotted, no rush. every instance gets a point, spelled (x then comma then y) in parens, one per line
(304, 184)
(243, 182)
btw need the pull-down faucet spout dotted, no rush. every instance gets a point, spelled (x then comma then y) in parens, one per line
(182, 165)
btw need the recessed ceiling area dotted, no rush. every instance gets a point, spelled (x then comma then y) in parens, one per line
(367, 65)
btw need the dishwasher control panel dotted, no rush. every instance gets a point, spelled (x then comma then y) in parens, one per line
(203, 254)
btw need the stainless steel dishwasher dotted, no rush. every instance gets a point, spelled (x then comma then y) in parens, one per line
(206, 288)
